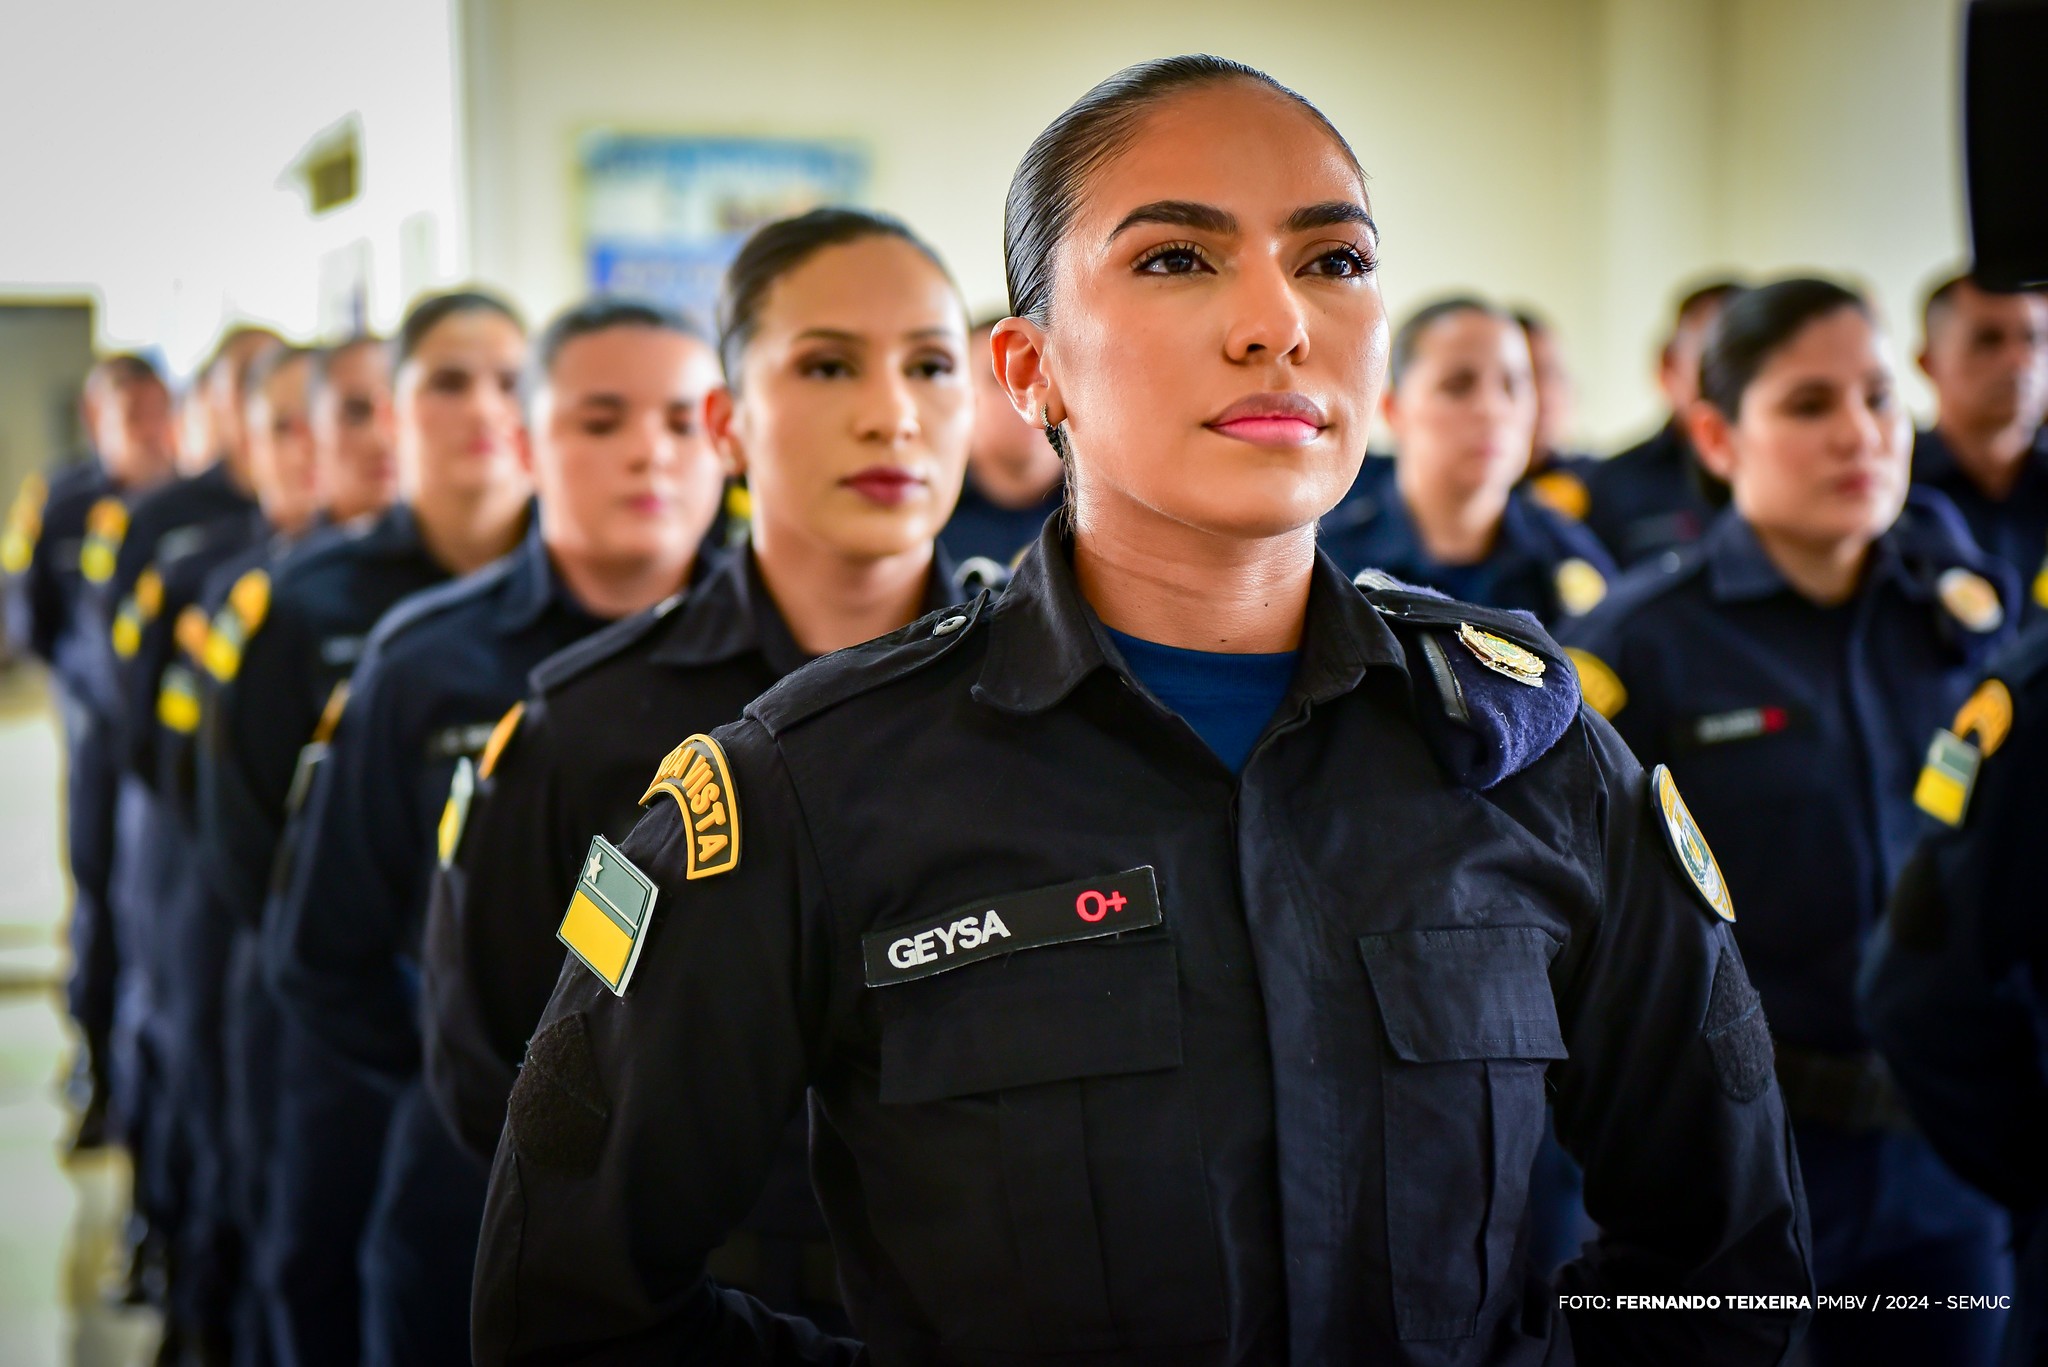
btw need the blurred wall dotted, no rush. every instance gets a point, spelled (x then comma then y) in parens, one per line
(1586, 156)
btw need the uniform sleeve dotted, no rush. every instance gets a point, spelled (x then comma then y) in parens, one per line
(332, 951)
(491, 953)
(1669, 1102)
(142, 647)
(643, 1126)
(1947, 988)
(35, 599)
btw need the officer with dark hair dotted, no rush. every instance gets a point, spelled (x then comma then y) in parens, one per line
(279, 653)
(1557, 475)
(1014, 479)
(1654, 496)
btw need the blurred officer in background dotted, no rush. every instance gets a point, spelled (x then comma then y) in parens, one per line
(627, 489)
(60, 546)
(1790, 670)
(842, 337)
(354, 461)
(1446, 512)
(281, 652)
(1014, 480)
(1987, 356)
(1557, 473)
(1653, 496)
(1134, 1026)
(1956, 986)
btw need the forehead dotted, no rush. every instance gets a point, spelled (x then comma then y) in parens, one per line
(359, 365)
(287, 383)
(1840, 339)
(633, 356)
(877, 286)
(1981, 306)
(475, 337)
(1236, 145)
(1469, 334)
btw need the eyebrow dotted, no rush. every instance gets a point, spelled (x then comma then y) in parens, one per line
(858, 339)
(1187, 213)
(1327, 215)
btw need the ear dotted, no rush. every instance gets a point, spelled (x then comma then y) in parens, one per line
(523, 444)
(1390, 410)
(721, 424)
(1920, 360)
(1713, 436)
(1018, 348)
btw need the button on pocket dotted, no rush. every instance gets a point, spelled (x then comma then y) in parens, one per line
(1471, 1026)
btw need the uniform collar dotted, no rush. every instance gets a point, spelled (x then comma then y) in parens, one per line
(1738, 569)
(1934, 463)
(1044, 639)
(531, 584)
(1519, 541)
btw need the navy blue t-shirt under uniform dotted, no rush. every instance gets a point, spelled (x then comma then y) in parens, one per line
(1227, 699)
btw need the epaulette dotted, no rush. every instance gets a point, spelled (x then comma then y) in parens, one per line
(24, 524)
(846, 674)
(1494, 692)
(579, 658)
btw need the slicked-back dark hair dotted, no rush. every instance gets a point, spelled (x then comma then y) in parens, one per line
(780, 247)
(1408, 337)
(1046, 189)
(325, 357)
(1756, 324)
(429, 311)
(602, 313)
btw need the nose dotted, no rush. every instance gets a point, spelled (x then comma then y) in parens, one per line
(889, 411)
(1268, 321)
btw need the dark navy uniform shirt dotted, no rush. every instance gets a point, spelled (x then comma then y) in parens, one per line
(1542, 562)
(1291, 1119)
(45, 534)
(983, 529)
(1796, 732)
(441, 669)
(2013, 528)
(182, 506)
(277, 652)
(1648, 499)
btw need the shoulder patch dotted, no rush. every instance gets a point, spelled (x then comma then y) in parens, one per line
(330, 715)
(191, 631)
(1954, 755)
(1600, 685)
(1580, 586)
(606, 923)
(501, 736)
(1688, 846)
(846, 674)
(1970, 599)
(24, 524)
(106, 523)
(1987, 715)
(455, 811)
(1563, 492)
(695, 774)
(250, 598)
(177, 700)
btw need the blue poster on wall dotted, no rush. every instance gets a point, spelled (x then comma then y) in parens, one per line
(663, 215)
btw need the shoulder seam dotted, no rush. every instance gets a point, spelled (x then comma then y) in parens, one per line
(861, 669)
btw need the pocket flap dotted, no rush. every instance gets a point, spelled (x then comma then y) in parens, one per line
(1087, 1009)
(1473, 992)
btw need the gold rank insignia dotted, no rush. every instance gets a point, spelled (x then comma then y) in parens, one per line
(105, 524)
(1599, 685)
(606, 923)
(1503, 656)
(1688, 846)
(1949, 774)
(1563, 492)
(1970, 599)
(1580, 587)
(24, 525)
(696, 776)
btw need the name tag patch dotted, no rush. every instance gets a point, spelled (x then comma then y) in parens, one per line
(1085, 909)
(1744, 723)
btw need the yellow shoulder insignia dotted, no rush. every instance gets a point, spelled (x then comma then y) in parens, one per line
(1688, 846)
(1988, 714)
(696, 776)
(1949, 774)
(455, 811)
(1580, 586)
(140, 609)
(1970, 599)
(501, 736)
(237, 621)
(739, 502)
(1599, 685)
(1562, 492)
(190, 631)
(330, 715)
(24, 525)
(105, 524)
(606, 923)
(250, 598)
(149, 594)
(177, 701)
(2041, 586)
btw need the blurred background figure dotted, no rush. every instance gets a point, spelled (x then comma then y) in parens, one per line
(1789, 672)
(1654, 496)
(355, 464)
(1987, 356)
(1014, 480)
(1557, 472)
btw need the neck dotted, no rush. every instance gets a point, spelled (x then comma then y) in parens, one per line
(613, 589)
(831, 600)
(1992, 458)
(1824, 572)
(1454, 528)
(1164, 581)
(467, 532)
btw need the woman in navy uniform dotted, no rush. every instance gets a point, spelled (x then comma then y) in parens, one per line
(1790, 670)
(844, 353)
(1136, 1028)
(1448, 511)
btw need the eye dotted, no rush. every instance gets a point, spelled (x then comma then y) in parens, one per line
(600, 426)
(825, 368)
(1344, 263)
(448, 381)
(683, 421)
(1880, 398)
(1173, 258)
(933, 365)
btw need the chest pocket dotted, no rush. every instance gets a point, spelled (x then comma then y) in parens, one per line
(1051, 1193)
(1470, 1028)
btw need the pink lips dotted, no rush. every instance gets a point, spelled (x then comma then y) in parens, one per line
(885, 485)
(1282, 418)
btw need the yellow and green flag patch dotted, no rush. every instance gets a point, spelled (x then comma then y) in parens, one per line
(607, 918)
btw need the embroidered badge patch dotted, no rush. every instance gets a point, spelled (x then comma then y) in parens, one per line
(1563, 492)
(455, 811)
(1987, 715)
(1688, 846)
(1085, 909)
(606, 923)
(1580, 586)
(106, 523)
(696, 776)
(1970, 599)
(1599, 685)
(1503, 656)
(1947, 778)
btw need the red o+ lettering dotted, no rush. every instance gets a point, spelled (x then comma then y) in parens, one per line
(1116, 901)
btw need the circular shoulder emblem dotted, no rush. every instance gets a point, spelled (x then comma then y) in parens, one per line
(1503, 656)
(1562, 492)
(1599, 685)
(1580, 586)
(1688, 846)
(1970, 599)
